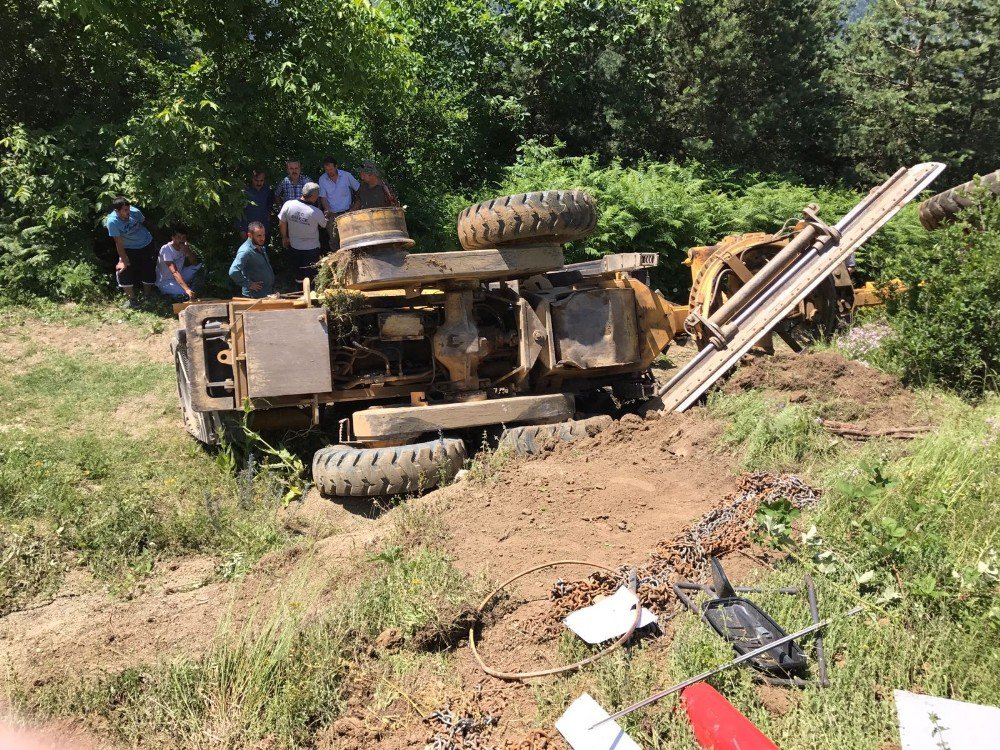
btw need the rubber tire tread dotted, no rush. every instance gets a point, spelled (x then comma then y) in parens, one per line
(344, 471)
(550, 215)
(209, 427)
(531, 439)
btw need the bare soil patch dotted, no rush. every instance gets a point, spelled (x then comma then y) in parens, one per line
(607, 499)
(112, 342)
(848, 390)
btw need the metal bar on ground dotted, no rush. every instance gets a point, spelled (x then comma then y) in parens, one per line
(824, 681)
(722, 667)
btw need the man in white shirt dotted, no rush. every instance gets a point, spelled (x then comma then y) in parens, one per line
(300, 221)
(336, 192)
(177, 268)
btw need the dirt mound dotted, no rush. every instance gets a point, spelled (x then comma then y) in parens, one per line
(839, 388)
(820, 375)
(608, 498)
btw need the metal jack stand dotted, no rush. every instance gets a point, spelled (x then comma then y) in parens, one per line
(747, 627)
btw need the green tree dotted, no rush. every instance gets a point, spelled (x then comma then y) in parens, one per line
(173, 104)
(918, 80)
(742, 85)
(585, 71)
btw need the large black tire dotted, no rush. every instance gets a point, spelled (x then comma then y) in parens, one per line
(945, 206)
(550, 216)
(343, 471)
(207, 427)
(531, 439)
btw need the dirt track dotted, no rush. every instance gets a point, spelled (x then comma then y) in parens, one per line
(609, 499)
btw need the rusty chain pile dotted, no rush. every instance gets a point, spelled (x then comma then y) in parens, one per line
(465, 732)
(459, 732)
(725, 528)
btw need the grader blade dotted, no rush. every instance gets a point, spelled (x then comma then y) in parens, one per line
(785, 281)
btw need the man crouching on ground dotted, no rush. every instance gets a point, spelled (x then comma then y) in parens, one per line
(251, 269)
(136, 254)
(178, 268)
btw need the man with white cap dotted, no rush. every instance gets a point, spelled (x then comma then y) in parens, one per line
(300, 221)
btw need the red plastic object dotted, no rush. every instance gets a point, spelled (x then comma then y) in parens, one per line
(717, 724)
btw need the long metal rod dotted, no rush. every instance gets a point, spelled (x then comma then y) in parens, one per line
(814, 613)
(722, 667)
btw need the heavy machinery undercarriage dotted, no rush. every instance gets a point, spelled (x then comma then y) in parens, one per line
(395, 347)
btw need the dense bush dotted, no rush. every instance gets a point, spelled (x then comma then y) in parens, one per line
(946, 325)
(668, 207)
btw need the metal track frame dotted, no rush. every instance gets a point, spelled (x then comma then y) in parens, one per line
(813, 255)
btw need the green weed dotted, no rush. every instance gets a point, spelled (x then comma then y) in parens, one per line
(79, 314)
(271, 683)
(411, 591)
(490, 461)
(30, 566)
(117, 496)
(768, 435)
(286, 467)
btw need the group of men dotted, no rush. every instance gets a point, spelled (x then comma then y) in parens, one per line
(307, 208)
(174, 271)
(306, 212)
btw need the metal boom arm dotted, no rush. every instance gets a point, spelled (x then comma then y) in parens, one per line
(786, 280)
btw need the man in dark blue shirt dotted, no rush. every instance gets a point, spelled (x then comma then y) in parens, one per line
(260, 203)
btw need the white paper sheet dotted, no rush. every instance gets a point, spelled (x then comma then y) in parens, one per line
(583, 713)
(609, 618)
(928, 723)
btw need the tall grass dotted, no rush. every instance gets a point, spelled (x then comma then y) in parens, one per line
(94, 463)
(278, 680)
(273, 682)
(768, 434)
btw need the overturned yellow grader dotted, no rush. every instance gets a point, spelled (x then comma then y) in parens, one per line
(407, 350)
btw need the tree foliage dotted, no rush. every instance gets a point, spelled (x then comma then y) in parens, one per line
(919, 80)
(689, 120)
(742, 85)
